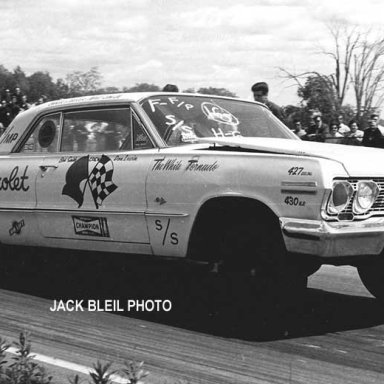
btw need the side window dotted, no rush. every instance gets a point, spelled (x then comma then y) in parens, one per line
(96, 130)
(45, 135)
(140, 137)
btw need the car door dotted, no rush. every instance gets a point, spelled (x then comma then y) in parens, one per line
(91, 191)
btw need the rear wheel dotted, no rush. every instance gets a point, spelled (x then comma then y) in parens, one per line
(372, 276)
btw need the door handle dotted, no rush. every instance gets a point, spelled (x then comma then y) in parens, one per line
(44, 168)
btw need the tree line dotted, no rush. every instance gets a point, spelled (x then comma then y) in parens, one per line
(78, 83)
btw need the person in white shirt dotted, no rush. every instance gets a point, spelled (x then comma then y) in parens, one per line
(355, 135)
(343, 128)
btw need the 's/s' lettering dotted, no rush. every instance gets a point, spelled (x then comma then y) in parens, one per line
(168, 237)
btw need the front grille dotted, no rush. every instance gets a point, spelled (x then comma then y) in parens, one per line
(377, 208)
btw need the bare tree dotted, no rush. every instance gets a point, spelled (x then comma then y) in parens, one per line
(368, 75)
(358, 60)
(346, 39)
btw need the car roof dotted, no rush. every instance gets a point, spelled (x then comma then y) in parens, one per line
(121, 97)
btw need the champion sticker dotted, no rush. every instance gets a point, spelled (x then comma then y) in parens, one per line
(90, 226)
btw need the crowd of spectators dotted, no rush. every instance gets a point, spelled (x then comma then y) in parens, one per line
(337, 132)
(12, 103)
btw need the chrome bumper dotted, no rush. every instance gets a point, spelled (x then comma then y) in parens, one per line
(332, 239)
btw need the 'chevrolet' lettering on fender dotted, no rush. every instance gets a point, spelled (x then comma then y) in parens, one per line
(14, 182)
(91, 226)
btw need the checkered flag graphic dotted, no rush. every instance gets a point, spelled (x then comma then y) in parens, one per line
(100, 180)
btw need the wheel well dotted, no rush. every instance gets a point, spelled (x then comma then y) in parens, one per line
(226, 212)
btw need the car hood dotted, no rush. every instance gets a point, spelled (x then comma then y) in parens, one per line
(358, 161)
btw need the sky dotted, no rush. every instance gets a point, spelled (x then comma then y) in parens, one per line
(195, 43)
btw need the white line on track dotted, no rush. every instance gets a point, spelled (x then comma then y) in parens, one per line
(67, 365)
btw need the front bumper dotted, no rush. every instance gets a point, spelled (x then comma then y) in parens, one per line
(333, 239)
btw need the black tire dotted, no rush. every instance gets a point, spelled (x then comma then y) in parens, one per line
(254, 244)
(372, 276)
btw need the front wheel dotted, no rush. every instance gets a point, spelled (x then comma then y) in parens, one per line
(372, 276)
(254, 245)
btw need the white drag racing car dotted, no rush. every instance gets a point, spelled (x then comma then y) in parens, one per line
(210, 179)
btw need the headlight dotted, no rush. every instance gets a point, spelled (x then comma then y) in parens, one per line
(341, 194)
(366, 193)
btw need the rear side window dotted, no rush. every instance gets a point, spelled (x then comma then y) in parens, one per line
(45, 136)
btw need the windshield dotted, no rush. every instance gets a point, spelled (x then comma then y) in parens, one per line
(183, 119)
